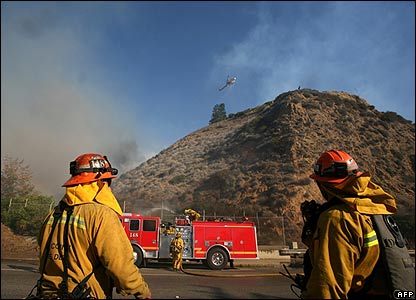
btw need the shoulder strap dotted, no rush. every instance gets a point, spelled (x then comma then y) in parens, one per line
(394, 254)
(56, 216)
(63, 286)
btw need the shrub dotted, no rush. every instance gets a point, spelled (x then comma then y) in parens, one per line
(177, 179)
(391, 116)
(25, 217)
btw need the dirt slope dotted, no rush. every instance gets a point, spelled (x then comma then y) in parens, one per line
(17, 247)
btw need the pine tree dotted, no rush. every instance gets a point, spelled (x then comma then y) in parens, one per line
(218, 113)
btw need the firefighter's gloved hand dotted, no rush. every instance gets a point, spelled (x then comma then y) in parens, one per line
(139, 296)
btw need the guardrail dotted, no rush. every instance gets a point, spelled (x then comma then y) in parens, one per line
(293, 252)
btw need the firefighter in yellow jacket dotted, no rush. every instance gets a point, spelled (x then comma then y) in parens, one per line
(176, 248)
(97, 245)
(344, 249)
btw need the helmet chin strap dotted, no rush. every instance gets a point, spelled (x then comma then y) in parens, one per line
(110, 169)
(323, 192)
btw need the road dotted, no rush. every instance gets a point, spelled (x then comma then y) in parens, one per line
(19, 277)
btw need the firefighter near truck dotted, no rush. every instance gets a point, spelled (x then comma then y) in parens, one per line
(214, 243)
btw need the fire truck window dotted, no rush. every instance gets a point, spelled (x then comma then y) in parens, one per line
(134, 224)
(149, 225)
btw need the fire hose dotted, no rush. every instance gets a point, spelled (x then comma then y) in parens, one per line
(230, 275)
(236, 275)
(297, 279)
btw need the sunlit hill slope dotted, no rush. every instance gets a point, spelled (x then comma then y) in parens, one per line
(257, 162)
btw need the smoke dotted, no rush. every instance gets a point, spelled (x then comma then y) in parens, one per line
(54, 103)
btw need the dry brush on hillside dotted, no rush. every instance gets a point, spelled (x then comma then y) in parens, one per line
(257, 162)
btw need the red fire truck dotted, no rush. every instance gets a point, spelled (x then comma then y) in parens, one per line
(215, 243)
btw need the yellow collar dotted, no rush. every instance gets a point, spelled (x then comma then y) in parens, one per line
(363, 195)
(97, 191)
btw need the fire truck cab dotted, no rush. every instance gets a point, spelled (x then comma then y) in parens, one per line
(215, 243)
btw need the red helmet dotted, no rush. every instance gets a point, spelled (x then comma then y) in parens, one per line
(334, 166)
(90, 167)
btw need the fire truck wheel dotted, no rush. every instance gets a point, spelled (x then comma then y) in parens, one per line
(138, 256)
(217, 259)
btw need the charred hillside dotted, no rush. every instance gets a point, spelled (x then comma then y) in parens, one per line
(258, 162)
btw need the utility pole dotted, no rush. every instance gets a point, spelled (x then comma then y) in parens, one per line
(258, 222)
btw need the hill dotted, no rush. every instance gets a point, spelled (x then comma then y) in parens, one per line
(257, 162)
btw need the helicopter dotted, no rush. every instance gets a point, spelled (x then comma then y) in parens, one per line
(230, 81)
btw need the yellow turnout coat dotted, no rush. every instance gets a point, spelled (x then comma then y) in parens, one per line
(97, 243)
(345, 249)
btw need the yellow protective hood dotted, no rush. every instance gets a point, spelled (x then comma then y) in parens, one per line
(97, 191)
(363, 195)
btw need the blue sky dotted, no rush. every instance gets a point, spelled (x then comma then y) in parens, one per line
(129, 79)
